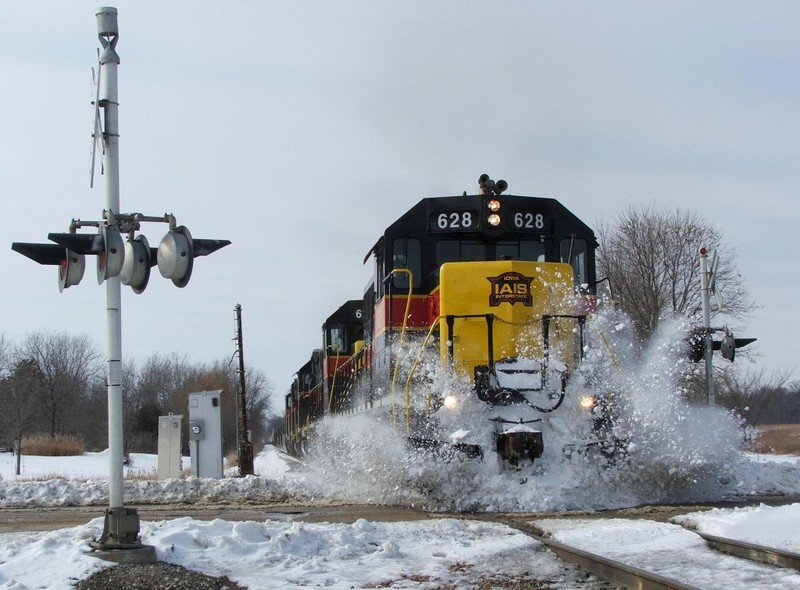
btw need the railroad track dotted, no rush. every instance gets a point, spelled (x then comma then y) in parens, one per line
(626, 575)
(613, 570)
(753, 552)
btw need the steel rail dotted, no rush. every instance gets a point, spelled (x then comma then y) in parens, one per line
(613, 571)
(635, 578)
(753, 552)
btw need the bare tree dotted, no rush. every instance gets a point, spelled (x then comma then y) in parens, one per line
(760, 399)
(650, 257)
(162, 385)
(19, 394)
(156, 389)
(67, 365)
(222, 375)
(259, 403)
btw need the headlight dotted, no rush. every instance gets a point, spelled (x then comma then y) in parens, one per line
(450, 402)
(493, 219)
(588, 402)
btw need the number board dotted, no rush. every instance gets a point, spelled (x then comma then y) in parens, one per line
(527, 220)
(457, 220)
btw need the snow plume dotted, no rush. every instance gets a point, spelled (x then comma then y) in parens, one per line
(642, 443)
(670, 450)
(361, 457)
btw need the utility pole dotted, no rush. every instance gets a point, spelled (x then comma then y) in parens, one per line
(245, 446)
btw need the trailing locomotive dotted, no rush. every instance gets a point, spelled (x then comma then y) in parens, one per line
(494, 289)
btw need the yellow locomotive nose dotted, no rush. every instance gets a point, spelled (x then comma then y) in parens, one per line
(492, 310)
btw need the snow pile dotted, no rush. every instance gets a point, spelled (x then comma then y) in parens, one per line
(373, 553)
(276, 554)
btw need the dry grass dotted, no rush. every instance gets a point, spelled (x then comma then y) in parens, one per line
(778, 439)
(151, 475)
(47, 446)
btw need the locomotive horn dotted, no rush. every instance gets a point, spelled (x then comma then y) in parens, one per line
(485, 184)
(488, 186)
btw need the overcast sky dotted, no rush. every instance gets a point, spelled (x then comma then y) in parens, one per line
(299, 130)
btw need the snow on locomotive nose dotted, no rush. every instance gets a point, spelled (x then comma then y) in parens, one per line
(511, 326)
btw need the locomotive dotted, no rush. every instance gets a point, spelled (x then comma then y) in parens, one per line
(493, 289)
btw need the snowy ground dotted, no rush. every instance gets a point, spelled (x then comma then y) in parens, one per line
(283, 554)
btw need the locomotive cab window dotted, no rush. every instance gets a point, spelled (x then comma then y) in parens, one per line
(406, 254)
(459, 251)
(521, 250)
(468, 251)
(337, 339)
(574, 251)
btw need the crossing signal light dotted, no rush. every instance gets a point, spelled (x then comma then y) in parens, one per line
(106, 244)
(110, 253)
(697, 347)
(71, 265)
(70, 270)
(131, 260)
(177, 251)
(727, 346)
(176, 256)
(136, 267)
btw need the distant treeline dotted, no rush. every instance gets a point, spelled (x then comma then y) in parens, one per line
(55, 383)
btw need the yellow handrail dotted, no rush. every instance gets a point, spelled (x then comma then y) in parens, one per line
(610, 352)
(413, 369)
(402, 335)
(333, 383)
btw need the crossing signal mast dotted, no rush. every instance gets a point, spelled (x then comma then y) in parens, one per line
(701, 343)
(120, 261)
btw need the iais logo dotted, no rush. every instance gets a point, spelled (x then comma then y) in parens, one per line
(511, 287)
